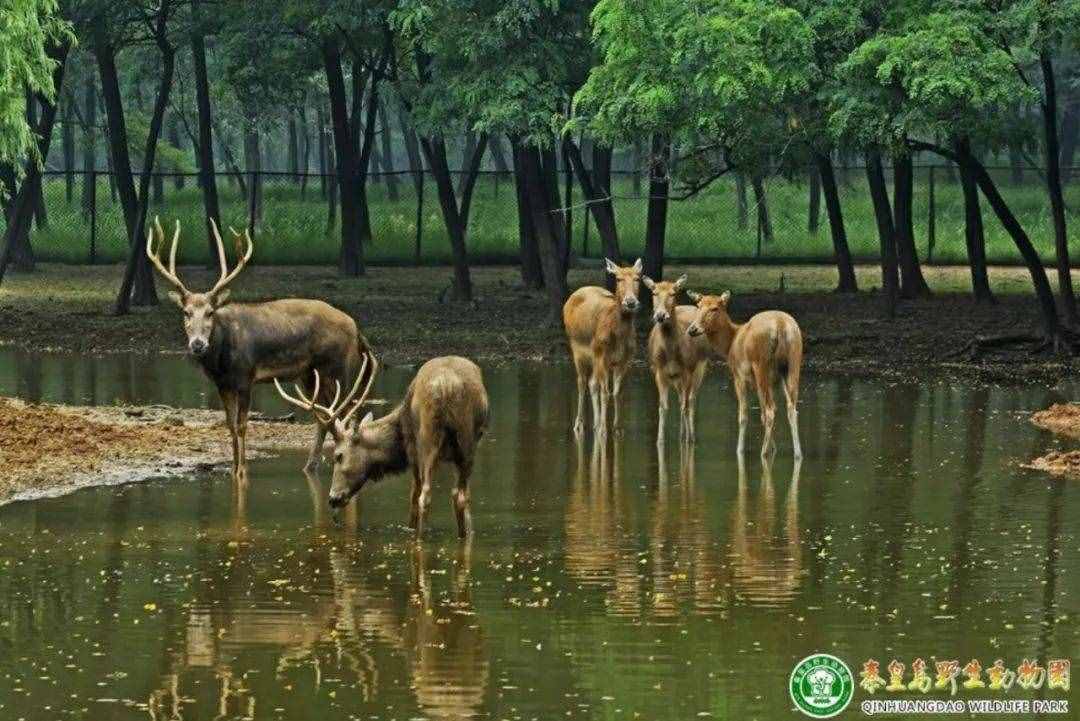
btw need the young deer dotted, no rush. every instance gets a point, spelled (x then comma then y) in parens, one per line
(241, 344)
(442, 418)
(600, 327)
(676, 359)
(767, 345)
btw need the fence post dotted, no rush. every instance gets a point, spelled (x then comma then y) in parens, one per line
(931, 230)
(419, 215)
(92, 198)
(253, 199)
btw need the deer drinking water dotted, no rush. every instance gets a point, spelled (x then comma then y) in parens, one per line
(442, 418)
(600, 327)
(768, 345)
(241, 344)
(676, 359)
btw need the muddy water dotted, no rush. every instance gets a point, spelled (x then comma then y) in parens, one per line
(606, 582)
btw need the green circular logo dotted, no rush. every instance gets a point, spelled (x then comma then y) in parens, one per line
(821, 685)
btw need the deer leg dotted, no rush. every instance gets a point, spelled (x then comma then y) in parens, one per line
(763, 380)
(663, 391)
(460, 498)
(599, 388)
(229, 402)
(686, 432)
(414, 502)
(243, 405)
(740, 384)
(430, 460)
(791, 395)
(616, 390)
(695, 385)
(582, 367)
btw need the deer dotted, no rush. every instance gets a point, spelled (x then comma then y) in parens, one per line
(441, 418)
(768, 346)
(600, 329)
(676, 359)
(239, 345)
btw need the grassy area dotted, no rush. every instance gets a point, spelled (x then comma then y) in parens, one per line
(294, 228)
(68, 308)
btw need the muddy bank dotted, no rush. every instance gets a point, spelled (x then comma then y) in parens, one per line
(48, 450)
(405, 315)
(1062, 419)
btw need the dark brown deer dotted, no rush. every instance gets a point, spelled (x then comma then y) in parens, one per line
(442, 418)
(241, 344)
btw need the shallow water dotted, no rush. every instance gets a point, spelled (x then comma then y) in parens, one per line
(604, 582)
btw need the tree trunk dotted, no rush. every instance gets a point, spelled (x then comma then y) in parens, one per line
(138, 283)
(253, 168)
(762, 202)
(1070, 133)
(814, 215)
(455, 215)
(205, 150)
(392, 191)
(912, 282)
(293, 150)
(844, 266)
(498, 156)
(89, 161)
(324, 166)
(656, 214)
(69, 146)
(1016, 165)
(636, 161)
(412, 150)
(594, 186)
(532, 274)
(890, 281)
(20, 209)
(1045, 295)
(1053, 187)
(466, 153)
(351, 257)
(740, 201)
(548, 230)
(305, 152)
(974, 237)
(176, 141)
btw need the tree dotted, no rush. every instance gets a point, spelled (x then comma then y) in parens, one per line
(941, 75)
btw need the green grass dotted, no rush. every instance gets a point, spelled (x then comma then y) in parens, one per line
(294, 228)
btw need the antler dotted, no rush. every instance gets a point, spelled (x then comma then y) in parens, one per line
(227, 276)
(333, 412)
(168, 273)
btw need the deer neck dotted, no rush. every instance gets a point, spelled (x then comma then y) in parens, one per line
(389, 433)
(722, 338)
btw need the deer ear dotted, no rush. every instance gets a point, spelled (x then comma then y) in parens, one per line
(649, 283)
(725, 297)
(694, 297)
(222, 298)
(611, 267)
(176, 298)
(368, 418)
(638, 265)
(680, 282)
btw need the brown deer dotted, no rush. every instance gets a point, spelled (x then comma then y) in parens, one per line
(768, 345)
(442, 418)
(600, 327)
(241, 344)
(676, 359)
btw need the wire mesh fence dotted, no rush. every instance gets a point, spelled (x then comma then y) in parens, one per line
(775, 220)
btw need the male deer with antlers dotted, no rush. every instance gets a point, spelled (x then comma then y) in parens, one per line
(600, 327)
(676, 359)
(442, 418)
(768, 345)
(241, 344)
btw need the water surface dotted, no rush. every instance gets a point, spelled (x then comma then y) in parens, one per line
(604, 581)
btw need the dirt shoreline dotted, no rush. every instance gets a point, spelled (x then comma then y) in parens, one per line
(1062, 419)
(403, 312)
(52, 450)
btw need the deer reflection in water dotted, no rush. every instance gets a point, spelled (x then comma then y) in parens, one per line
(674, 568)
(355, 615)
(766, 566)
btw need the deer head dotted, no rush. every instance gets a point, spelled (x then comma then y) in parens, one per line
(712, 313)
(356, 458)
(626, 285)
(199, 308)
(665, 294)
